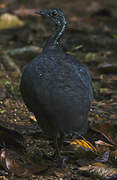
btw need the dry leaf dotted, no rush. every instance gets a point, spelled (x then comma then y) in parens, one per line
(102, 143)
(100, 170)
(12, 139)
(114, 154)
(108, 68)
(32, 117)
(8, 21)
(107, 130)
(19, 164)
(103, 158)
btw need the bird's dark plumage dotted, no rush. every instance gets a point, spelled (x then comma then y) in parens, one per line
(56, 87)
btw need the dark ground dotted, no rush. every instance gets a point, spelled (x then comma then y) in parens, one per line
(94, 26)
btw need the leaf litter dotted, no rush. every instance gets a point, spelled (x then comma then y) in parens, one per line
(14, 111)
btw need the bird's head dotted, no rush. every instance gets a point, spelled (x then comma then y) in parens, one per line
(55, 14)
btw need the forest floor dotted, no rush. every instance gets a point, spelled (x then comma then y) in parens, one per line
(92, 38)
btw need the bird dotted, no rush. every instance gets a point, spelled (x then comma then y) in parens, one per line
(57, 87)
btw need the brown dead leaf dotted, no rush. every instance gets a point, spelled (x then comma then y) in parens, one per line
(113, 116)
(103, 158)
(93, 7)
(12, 139)
(101, 170)
(114, 154)
(19, 164)
(32, 117)
(15, 74)
(102, 143)
(3, 5)
(105, 91)
(107, 130)
(74, 19)
(108, 68)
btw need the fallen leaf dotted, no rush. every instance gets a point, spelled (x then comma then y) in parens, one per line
(101, 170)
(102, 143)
(108, 68)
(114, 154)
(103, 158)
(19, 164)
(3, 5)
(11, 139)
(32, 117)
(107, 130)
(105, 91)
(8, 21)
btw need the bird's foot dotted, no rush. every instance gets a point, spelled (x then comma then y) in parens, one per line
(62, 162)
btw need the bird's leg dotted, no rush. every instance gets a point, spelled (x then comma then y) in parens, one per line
(59, 143)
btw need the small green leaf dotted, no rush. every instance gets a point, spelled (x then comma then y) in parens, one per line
(114, 35)
(2, 111)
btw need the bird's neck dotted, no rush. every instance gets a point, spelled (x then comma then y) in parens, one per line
(53, 41)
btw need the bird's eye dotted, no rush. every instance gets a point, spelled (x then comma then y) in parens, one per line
(54, 13)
